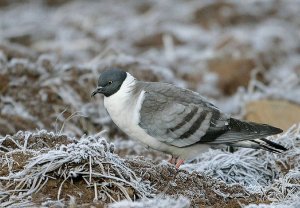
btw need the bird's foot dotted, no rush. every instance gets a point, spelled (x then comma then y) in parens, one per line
(179, 162)
(173, 160)
(176, 161)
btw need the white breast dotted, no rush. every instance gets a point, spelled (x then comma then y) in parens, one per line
(124, 108)
(118, 105)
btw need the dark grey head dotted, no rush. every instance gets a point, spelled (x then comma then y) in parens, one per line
(110, 82)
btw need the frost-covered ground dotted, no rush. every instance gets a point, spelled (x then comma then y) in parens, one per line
(243, 55)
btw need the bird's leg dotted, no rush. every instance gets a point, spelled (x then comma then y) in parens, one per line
(173, 160)
(179, 162)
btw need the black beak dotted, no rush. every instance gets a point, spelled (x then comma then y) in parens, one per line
(98, 90)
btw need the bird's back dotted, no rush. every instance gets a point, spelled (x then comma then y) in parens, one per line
(178, 116)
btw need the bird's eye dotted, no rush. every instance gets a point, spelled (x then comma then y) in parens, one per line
(110, 82)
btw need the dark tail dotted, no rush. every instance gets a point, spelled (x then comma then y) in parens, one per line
(260, 144)
(265, 144)
(238, 131)
(251, 127)
(256, 134)
(269, 145)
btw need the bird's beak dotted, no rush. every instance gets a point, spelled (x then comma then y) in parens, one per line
(98, 90)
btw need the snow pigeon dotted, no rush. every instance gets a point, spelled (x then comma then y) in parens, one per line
(174, 120)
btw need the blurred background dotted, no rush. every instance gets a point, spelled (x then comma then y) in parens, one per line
(243, 55)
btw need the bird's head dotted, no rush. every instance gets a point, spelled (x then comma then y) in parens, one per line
(110, 82)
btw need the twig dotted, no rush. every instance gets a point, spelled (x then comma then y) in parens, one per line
(60, 188)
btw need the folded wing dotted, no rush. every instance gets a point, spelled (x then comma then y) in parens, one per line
(181, 117)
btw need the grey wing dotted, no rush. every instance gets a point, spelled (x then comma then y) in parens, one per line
(179, 123)
(180, 117)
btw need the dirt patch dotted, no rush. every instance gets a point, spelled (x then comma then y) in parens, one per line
(48, 73)
(9, 124)
(97, 182)
(53, 167)
(20, 160)
(279, 113)
(226, 14)
(12, 50)
(203, 191)
(47, 101)
(4, 80)
(77, 188)
(87, 171)
(233, 72)
(155, 40)
(36, 142)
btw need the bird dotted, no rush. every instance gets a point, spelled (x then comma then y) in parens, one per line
(174, 120)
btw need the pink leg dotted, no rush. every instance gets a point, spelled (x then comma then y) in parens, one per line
(179, 162)
(172, 160)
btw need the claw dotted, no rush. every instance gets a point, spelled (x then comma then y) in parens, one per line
(179, 162)
(176, 161)
(173, 160)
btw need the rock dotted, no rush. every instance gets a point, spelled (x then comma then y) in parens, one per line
(13, 50)
(4, 3)
(232, 72)
(143, 7)
(4, 83)
(279, 113)
(155, 40)
(10, 124)
(23, 39)
(55, 3)
(212, 14)
(226, 14)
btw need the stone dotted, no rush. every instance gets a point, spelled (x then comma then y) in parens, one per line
(232, 72)
(279, 113)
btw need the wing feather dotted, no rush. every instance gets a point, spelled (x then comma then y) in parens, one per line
(181, 117)
(177, 116)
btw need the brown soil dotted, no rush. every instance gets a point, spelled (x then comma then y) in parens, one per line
(38, 142)
(201, 190)
(20, 160)
(4, 80)
(155, 40)
(234, 72)
(76, 188)
(226, 14)
(9, 124)
(268, 111)
(37, 84)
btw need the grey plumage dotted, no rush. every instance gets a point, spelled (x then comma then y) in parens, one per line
(174, 120)
(181, 117)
